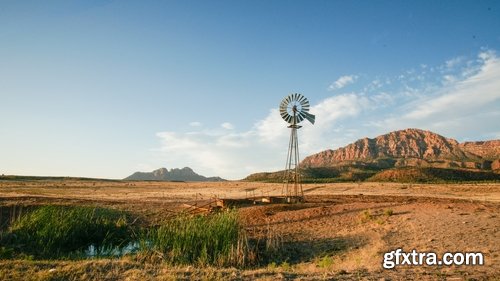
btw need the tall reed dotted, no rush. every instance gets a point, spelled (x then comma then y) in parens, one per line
(217, 239)
(54, 231)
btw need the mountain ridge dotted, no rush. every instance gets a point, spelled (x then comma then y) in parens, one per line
(175, 174)
(411, 147)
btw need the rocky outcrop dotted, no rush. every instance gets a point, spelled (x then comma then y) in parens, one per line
(495, 165)
(489, 150)
(163, 174)
(410, 147)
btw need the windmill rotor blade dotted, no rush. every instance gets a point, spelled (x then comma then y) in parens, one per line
(284, 109)
(284, 114)
(300, 117)
(301, 98)
(286, 100)
(283, 100)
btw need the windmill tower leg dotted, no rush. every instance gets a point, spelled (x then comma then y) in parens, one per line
(292, 181)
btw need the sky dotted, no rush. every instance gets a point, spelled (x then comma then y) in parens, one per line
(106, 88)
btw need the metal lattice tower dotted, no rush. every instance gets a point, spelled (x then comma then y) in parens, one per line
(293, 109)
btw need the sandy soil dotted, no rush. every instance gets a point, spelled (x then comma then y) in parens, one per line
(340, 232)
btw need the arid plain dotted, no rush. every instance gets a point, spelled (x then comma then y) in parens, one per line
(341, 232)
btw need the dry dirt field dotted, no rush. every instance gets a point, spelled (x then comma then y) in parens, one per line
(339, 233)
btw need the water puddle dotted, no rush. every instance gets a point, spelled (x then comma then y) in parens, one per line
(112, 251)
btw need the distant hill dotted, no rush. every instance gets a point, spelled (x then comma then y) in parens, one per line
(405, 155)
(163, 174)
(50, 178)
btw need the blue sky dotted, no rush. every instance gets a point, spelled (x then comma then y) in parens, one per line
(106, 88)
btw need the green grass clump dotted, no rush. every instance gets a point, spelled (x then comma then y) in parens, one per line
(325, 262)
(58, 231)
(366, 215)
(217, 239)
(388, 212)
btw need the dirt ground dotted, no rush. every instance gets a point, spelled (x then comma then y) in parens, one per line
(341, 232)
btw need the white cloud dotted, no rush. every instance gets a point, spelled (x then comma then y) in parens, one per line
(382, 99)
(342, 82)
(270, 128)
(454, 62)
(173, 142)
(462, 105)
(227, 126)
(449, 78)
(463, 96)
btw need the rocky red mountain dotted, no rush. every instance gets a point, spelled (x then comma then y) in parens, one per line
(411, 147)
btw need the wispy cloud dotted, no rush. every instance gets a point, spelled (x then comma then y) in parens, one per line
(454, 62)
(227, 126)
(417, 98)
(460, 105)
(342, 82)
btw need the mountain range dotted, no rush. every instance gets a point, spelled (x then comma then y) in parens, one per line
(404, 155)
(163, 174)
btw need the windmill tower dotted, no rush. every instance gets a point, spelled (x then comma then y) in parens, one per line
(293, 109)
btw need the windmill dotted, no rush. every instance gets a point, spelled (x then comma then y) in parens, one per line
(293, 109)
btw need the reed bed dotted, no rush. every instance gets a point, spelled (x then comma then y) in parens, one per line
(217, 239)
(67, 232)
(60, 231)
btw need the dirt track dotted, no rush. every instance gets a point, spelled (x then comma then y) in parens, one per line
(353, 224)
